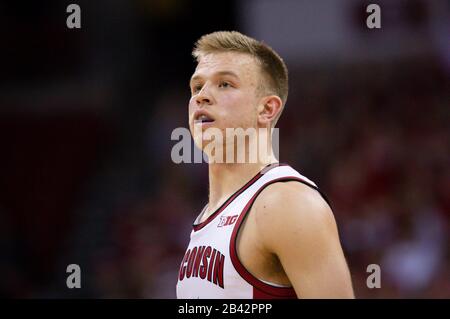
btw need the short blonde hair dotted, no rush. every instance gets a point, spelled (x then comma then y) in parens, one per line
(272, 65)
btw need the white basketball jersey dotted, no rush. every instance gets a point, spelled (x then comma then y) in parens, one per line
(211, 268)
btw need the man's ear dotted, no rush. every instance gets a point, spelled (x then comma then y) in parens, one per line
(268, 110)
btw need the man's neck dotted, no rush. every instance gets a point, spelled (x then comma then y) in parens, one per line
(225, 179)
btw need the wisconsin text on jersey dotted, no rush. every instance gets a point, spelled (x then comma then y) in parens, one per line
(208, 257)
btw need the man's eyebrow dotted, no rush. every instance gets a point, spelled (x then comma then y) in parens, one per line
(198, 76)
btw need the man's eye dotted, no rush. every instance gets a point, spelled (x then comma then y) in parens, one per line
(224, 85)
(197, 88)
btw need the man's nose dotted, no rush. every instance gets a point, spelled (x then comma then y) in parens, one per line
(203, 97)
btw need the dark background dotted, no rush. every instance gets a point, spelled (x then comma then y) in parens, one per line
(86, 116)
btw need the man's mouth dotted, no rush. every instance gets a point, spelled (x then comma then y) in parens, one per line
(203, 119)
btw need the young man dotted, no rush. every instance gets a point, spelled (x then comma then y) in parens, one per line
(266, 231)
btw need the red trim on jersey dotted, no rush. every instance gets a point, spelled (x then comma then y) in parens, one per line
(236, 194)
(261, 290)
(259, 294)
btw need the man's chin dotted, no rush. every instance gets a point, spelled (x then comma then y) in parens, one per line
(204, 144)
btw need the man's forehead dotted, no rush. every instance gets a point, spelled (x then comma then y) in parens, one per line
(199, 75)
(223, 62)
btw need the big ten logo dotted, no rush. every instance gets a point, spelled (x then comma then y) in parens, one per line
(227, 220)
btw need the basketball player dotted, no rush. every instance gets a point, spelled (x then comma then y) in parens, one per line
(266, 231)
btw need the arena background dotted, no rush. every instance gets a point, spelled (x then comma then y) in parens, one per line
(86, 116)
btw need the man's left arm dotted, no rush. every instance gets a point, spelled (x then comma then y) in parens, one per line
(297, 225)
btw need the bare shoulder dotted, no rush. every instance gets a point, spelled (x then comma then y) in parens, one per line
(292, 209)
(284, 201)
(295, 223)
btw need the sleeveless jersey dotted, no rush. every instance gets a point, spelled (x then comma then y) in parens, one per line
(211, 268)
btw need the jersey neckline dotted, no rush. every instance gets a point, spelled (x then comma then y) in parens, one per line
(224, 205)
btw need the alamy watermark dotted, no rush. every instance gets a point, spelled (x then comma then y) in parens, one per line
(373, 20)
(374, 279)
(234, 145)
(74, 279)
(73, 20)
